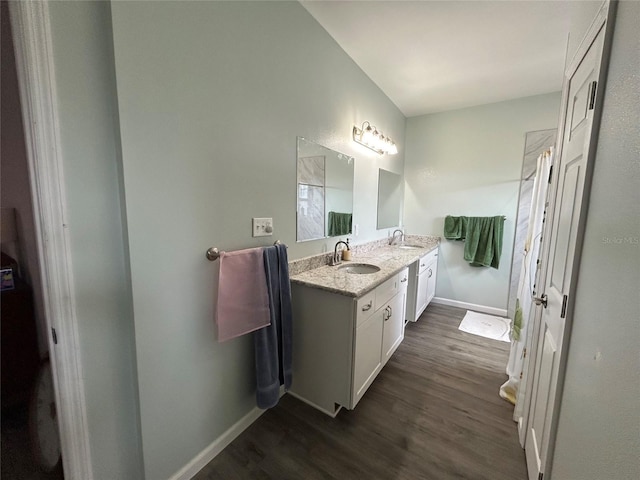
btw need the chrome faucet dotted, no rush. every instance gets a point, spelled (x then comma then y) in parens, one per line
(393, 237)
(336, 258)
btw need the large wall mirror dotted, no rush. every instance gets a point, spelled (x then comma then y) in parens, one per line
(389, 199)
(325, 192)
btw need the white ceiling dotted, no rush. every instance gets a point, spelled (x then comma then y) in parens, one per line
(431, 56)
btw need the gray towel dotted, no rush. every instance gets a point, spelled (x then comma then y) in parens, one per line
(273, 343)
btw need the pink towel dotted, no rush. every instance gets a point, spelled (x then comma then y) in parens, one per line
(243, 302)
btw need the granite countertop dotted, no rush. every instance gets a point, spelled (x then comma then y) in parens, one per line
(390, 259)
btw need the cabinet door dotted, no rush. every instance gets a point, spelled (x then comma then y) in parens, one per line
(421, 296)
(368, 348)
(431, 281)
(393, 332)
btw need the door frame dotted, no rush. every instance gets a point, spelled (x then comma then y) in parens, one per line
(30, 22)
(604, 19)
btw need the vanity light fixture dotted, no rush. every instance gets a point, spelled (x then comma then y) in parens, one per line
(370, 137)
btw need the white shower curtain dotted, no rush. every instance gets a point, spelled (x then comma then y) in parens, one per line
(511, 390)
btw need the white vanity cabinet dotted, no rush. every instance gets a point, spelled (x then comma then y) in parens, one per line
(422, 284)
(341, 343)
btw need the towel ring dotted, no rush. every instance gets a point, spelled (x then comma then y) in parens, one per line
(213, 253)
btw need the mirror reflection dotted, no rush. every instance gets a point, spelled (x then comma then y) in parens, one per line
(325, 192)
(389, 199)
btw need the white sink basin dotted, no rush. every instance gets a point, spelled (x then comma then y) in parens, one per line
(409, 247)
(359, 268)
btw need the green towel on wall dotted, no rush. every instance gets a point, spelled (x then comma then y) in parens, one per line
(455, 228)
(483, 242)
(339, 224)
(482, 236)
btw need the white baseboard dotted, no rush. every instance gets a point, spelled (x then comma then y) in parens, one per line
(219, 444)
(213, 450)
(470, 306)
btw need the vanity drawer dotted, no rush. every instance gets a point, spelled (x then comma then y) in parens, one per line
(425, 261)
(365, 307)
(386, 291)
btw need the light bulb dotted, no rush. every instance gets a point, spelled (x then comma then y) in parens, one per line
(367, 135)
(376, 139)
(387, 145)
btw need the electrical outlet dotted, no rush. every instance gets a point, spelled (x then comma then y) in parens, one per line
(262, 227)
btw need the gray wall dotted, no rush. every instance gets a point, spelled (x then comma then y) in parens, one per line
(468, 162)
(599, 425)
(83, 57)
(211, 98)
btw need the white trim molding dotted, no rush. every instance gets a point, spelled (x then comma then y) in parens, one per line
(470, 306)
(219, 444)
(34, 61)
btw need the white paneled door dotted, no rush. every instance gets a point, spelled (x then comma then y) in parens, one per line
(563, 238)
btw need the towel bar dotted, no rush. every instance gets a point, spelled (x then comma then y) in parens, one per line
(213, 253)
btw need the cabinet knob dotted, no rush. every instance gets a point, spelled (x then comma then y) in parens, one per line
(367, 306)
(430, 273)
(403, 280)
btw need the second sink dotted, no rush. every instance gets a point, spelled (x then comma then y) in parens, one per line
(359, 268)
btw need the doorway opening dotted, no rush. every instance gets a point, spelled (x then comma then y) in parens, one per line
(30, 437)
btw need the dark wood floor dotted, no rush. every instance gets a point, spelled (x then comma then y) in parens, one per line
(432, 413)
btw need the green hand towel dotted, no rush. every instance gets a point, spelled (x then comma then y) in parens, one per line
(483, 242)
(516, 324)
(455, 228)
(339, 224)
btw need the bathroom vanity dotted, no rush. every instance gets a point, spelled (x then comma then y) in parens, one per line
(348, 325)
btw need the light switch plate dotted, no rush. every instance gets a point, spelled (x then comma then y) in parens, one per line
(262, 227)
